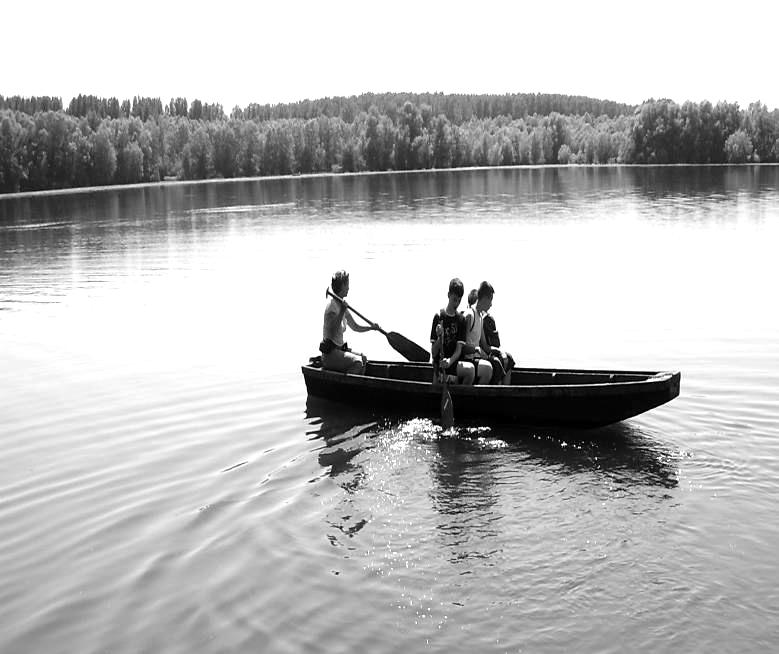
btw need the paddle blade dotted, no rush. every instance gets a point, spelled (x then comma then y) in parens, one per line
(407, 348)
(447, 410)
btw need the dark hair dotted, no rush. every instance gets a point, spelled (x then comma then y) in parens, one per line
(472, 297)
(456, 287)
(485, 290)
(340, 279)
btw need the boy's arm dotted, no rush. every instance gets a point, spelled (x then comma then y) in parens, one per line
(436, 333)
(455, 355)
(484, 343)
(469, 320)
(356, 327)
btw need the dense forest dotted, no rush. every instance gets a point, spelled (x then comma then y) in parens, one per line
(97, 141)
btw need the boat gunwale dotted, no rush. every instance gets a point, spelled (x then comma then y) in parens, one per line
(653, 381)
(577, 371)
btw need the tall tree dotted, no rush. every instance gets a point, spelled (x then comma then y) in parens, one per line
(738, 147)
(104, 156)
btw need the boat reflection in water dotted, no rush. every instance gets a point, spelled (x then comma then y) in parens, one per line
(624, 452)
(475, 489)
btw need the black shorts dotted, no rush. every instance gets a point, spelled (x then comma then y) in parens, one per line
(327, 346)
(451, 370)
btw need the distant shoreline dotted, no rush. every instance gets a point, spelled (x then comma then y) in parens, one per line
(171, 183)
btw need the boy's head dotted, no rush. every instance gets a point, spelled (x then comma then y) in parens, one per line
(472, 297)
(484, 296)
(340, 283)
(456, 290)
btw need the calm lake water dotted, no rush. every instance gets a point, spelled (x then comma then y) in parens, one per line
(166, 486)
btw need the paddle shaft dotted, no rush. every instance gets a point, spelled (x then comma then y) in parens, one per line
(447, 406)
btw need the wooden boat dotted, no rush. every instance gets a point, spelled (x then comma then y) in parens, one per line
(536, 396)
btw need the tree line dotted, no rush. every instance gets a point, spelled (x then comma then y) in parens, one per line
(456, 107)
(97, 141)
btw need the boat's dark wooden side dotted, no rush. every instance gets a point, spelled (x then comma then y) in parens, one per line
(373, 391)
(566, 398)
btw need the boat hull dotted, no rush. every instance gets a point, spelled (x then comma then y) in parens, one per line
(543, 397)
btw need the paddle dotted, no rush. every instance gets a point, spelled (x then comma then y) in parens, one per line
(398, 342)
(447, 408)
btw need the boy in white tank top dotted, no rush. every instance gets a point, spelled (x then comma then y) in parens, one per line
(475, 339)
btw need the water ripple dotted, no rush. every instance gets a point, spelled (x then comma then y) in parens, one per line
(166, 484)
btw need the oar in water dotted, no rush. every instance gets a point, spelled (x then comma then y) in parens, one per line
(447, 408)
(398, 342)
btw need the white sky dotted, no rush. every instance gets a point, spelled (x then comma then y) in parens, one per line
(240, 52)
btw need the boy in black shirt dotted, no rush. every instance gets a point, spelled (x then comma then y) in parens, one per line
(502, 361)
(447, 337)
